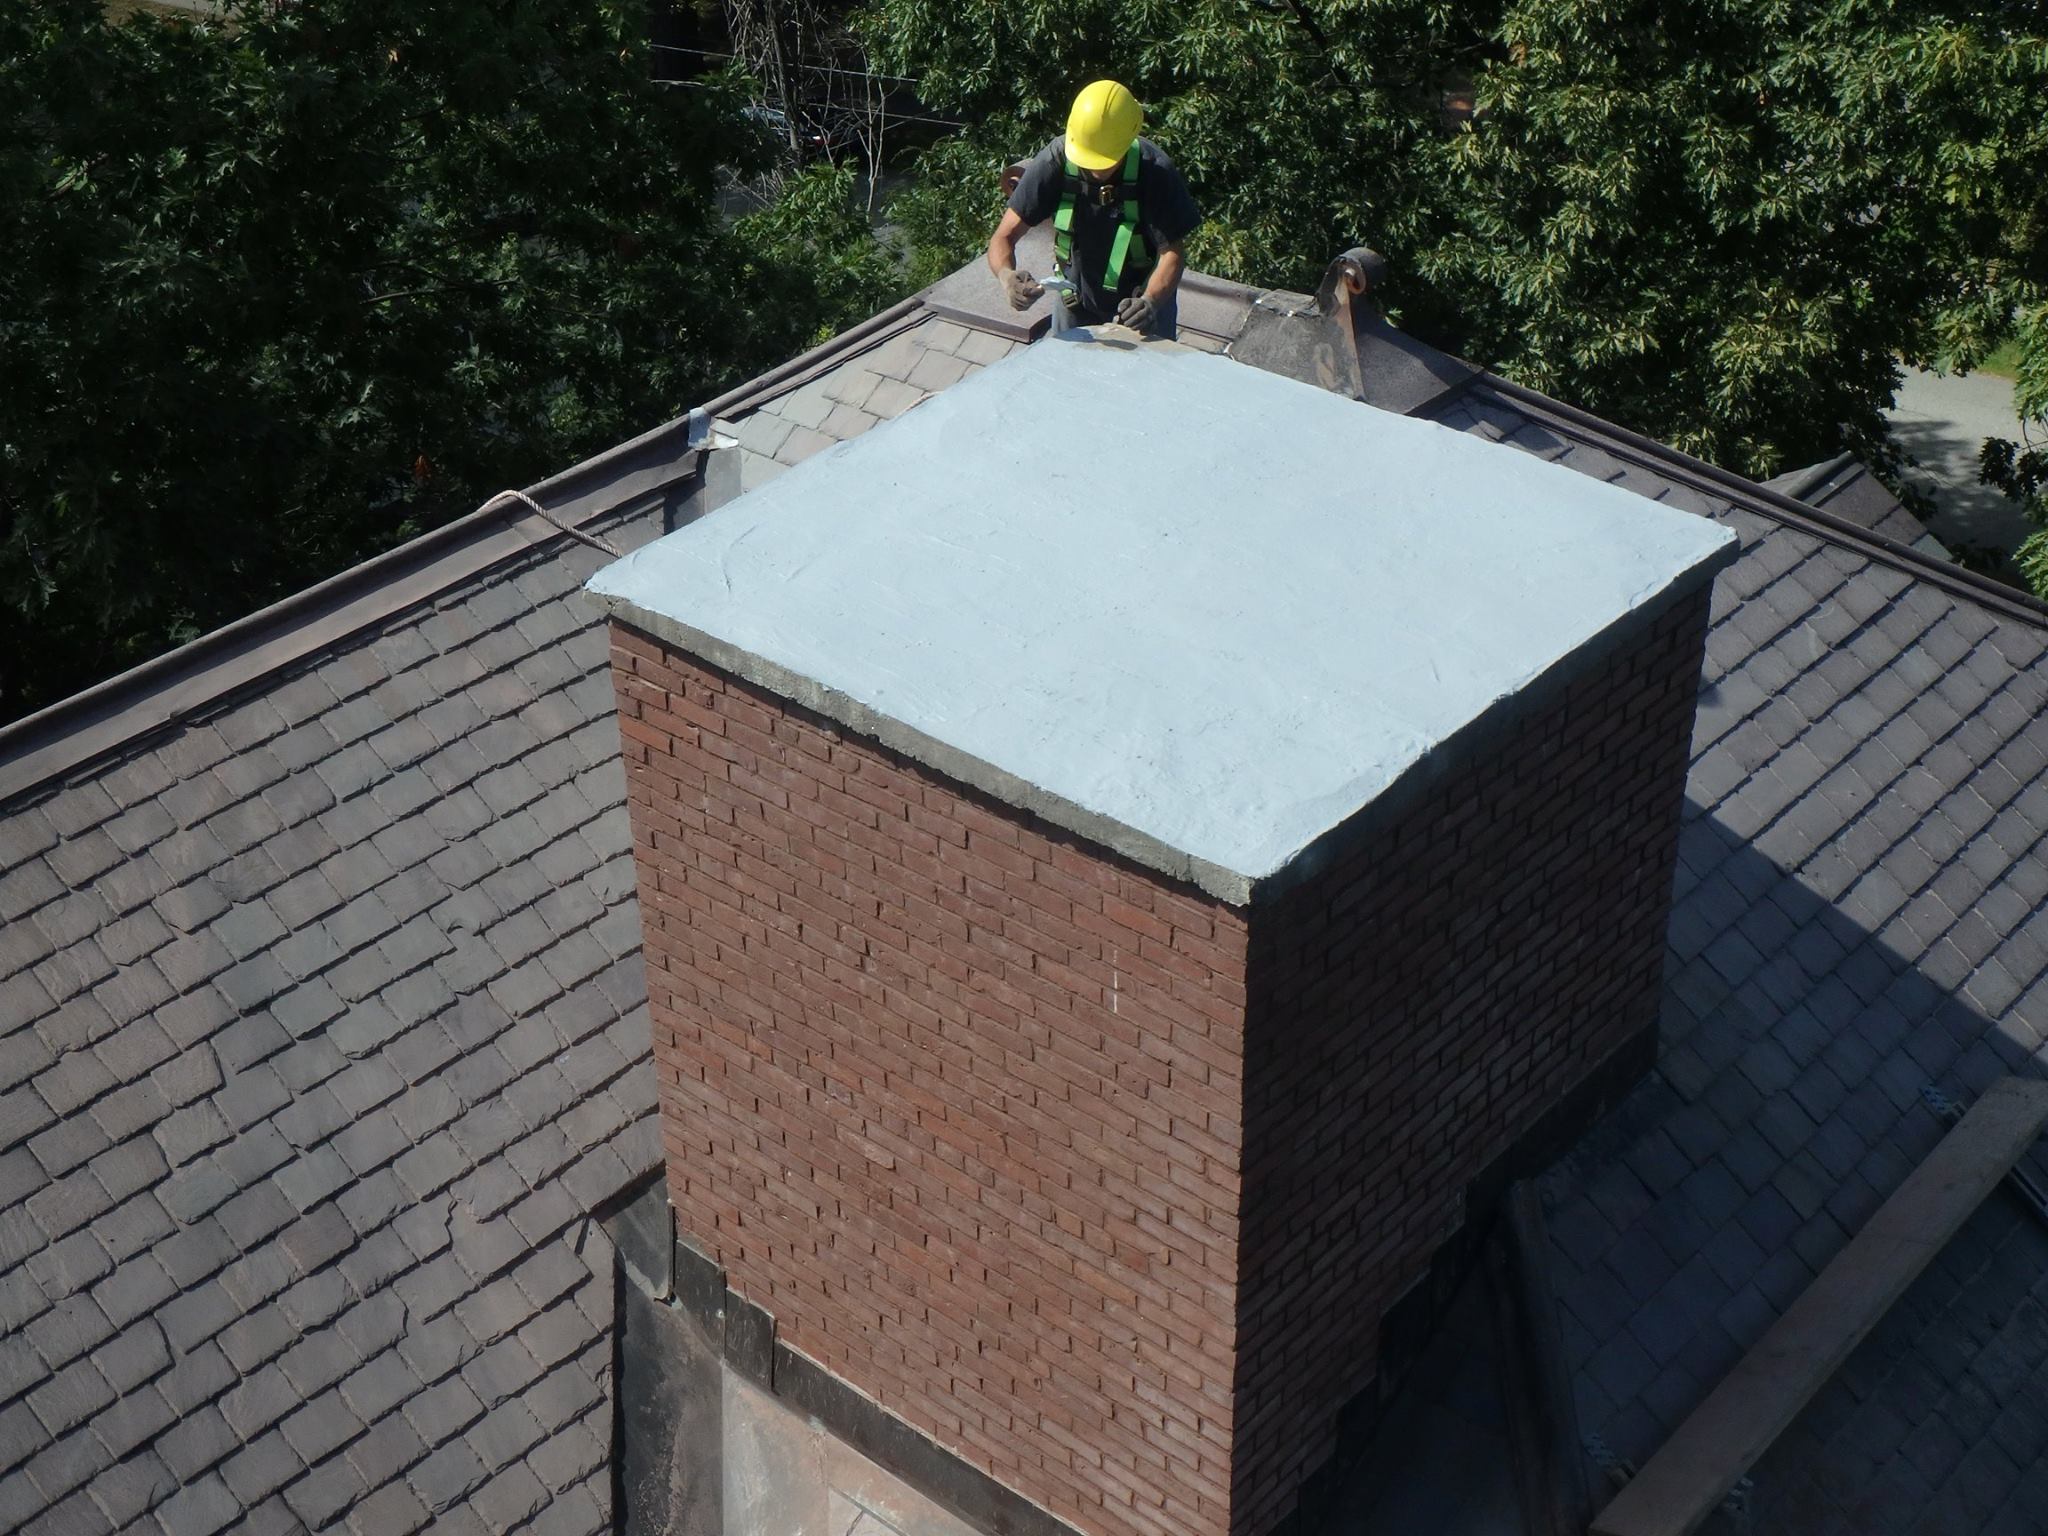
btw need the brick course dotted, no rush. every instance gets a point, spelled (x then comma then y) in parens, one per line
(1418, 1007)
(963, 1101)
(953, 1098)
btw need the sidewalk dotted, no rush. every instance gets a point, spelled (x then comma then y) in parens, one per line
(1942, 422)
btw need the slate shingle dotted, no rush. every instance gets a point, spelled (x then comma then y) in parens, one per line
(317, 1238)
(511, 1497)
(379, 1386)
(324, 1493)
(446, 1476)
(382, 1455)
(393, 1510)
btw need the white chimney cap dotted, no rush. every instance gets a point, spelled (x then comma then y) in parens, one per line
(1196, 612)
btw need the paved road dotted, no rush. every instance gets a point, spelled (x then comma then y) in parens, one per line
(1942, 422)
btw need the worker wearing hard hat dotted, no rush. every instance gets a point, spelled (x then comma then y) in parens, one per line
(1120, 212)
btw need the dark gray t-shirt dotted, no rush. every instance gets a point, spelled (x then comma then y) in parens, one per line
(1166, 215)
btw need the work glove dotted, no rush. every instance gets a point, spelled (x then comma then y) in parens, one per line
(1021, 288)
(1138, 313)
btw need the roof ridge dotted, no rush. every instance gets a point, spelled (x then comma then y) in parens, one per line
(799, 370)
(1767, 501)
(1801, 483)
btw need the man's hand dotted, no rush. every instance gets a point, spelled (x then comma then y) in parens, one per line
(1138, 313)
(1021, 288)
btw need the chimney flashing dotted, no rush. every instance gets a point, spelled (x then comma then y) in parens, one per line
(1085, 583)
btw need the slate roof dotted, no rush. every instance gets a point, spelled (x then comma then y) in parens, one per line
(842, 402)
(322, 1038)
(321, 1042)
(322, 1030)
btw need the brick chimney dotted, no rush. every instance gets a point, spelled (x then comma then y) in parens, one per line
(1125, 850)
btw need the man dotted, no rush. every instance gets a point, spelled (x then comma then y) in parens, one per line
(1120, 212)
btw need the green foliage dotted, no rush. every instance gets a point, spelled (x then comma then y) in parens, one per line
(2021, 469)
(956, 199)
(279, 293)
(1722, 223)
(2003, 360)
(816, 254)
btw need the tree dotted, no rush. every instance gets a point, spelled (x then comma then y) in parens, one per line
(280, 292)
(1722, 224)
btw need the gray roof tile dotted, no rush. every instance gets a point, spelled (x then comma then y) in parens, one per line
(59, 1206)
(124, 1491)
(258, 1336)
(449, 1474)
(190, 1131)
(379, 1386)
(577, 1511)
(77, 1079)
(195, 1442)
(196, 1190)
(439, 1346)
(67, 972)
(260, 1400)
(27, 887)
(249, 1097)
(580, 1450)
(316, 1300)
(393, 1510)
(501, 1371)
(312, 1177)
(513, 1496)
(261, 1467)
(197, 1313)
(317, 1238)
(505, 1434)
(59, 1468)
(562, 1395)
(323, 1425)
(372, 1202)
(386, 1450)
(318, 1362)
(325, 1492)
(68, 1143)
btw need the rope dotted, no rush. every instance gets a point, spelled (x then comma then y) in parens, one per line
(546, 516)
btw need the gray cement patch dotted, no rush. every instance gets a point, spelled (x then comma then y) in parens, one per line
(1197, 613)
(785, 1475)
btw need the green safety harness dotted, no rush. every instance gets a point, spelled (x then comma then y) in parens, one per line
(1127, 231)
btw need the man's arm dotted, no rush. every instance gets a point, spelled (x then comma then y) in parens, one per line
(1002, 245)
(1021, 288)
(1166, 273)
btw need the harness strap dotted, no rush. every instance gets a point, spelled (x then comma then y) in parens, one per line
(1127, 231)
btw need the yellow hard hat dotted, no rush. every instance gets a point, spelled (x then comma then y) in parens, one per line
(1105, 119)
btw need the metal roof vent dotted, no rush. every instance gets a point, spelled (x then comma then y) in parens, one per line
(1339, 341)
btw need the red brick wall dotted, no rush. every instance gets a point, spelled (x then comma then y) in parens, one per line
(955, 1100)
(1418, 1006)
(960, 1101)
